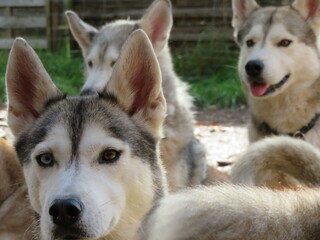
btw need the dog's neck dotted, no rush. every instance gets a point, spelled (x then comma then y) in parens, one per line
(290, 110)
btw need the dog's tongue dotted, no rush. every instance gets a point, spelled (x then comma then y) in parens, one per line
(258, 89)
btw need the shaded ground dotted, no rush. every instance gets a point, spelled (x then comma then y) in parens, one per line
(222, 131)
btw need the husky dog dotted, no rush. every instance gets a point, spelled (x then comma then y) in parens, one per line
(90, 163)
(182, 154)
(279, 66)
(230, 212)
(278, 162)
(15, 213)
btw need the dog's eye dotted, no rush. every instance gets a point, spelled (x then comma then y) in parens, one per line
(90, 64)
(109, 156)
(112, 63)
(284, 43)
(250, 43)
(45, 160)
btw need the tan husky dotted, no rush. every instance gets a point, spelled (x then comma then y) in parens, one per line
(279, 66)
(15, 212)
(183, 155)
(91, 163)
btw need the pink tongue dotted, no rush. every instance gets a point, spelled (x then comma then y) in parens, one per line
(258, 89)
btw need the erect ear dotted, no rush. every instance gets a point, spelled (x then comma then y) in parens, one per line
(82, 32)
(136, 83)
(309, 10)
(241, 11)
(157, 23)
(29, 86)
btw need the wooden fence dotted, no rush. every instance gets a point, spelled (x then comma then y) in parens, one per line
(43, 24)
(23, 18)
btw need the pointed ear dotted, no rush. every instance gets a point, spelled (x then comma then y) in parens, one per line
(81, 31)
(29, 86)
(241, 11)
(309, 10)
(136, 83)
(157, 23)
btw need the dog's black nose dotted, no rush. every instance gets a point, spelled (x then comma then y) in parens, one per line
(254, 68)
(89, 92)
(65, 212)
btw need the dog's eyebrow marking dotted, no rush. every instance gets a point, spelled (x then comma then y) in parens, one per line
(267, 26)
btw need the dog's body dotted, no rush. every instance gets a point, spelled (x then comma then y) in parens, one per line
(278, 162)
(279, 66)
(90, 163)
(227, 212)
(233, 212)
(182, 154)
(15, 212)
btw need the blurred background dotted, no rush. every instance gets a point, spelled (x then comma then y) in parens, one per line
(201, 42)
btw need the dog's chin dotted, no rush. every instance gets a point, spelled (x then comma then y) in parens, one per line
(261, 89)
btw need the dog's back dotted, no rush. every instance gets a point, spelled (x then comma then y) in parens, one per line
(228, 212)
(15, 212)
(278, 162)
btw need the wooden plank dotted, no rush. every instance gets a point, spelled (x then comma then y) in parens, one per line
(198, 36)
(22, 3)
(177, 13)
(22, 22)
(6, 43)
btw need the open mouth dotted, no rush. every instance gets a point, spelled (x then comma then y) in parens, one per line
(263, 89)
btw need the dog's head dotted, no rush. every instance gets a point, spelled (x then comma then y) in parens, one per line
(101, 48)
(90, 162)
(278, 45)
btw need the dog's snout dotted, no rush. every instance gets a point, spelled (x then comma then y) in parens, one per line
(254, 68)
(65, 211)
(89, 92)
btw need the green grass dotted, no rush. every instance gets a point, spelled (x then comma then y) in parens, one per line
(213, 79)
(222, 89)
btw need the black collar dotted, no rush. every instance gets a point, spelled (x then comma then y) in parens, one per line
(267, 130)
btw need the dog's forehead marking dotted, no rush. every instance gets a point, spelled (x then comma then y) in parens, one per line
(270, 16)
(114, 35)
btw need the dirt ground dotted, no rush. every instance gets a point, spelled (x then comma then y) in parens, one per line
(222, 131)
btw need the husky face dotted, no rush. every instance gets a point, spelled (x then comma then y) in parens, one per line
(273, 43)
(101, 48)
(90, 163)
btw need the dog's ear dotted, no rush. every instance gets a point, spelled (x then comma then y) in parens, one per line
(241, 11)
(136, 83)
(29, 86)
(310, 10)
(157, 23)
(82, 32)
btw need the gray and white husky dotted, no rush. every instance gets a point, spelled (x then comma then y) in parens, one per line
(279, 66)
(91, 163)
(182, 154)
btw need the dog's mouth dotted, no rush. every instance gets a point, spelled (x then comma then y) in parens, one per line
(264, 89)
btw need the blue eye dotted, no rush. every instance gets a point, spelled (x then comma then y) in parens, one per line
(45, 160)
(109, 156)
